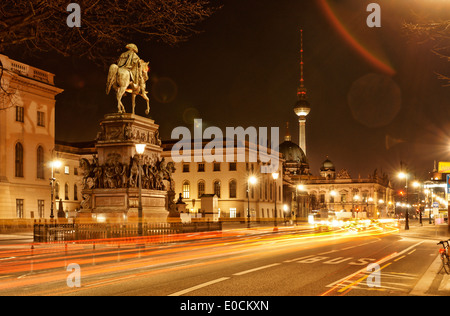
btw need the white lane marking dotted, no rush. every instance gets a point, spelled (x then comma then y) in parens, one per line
(179, 293)
(392, 256)
(256, 269)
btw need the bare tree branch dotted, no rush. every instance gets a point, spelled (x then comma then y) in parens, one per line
(436, 32)
(37, 25)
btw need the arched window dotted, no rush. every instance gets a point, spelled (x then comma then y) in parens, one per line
(232, 187)
(217, 188)
(66, 191)
(271, 191)
(40, 163)
(201, 188)
(19, 160)
(56, 190)
(186, 189)
(265, 189)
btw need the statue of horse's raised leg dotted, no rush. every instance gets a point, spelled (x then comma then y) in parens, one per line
(120, 93)
(144, 95)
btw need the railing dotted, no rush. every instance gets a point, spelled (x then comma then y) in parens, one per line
(54, 231)
(26, 70)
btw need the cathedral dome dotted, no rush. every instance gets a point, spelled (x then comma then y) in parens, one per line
(291, 152)
(327, 165)
(327, 170)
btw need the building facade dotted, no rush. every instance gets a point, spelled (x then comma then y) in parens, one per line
(230, 182)
(27, 139)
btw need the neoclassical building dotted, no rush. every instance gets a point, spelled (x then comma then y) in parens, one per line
(230, 182)
(27, 139)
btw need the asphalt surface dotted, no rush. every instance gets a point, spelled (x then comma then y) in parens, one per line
(240, 262)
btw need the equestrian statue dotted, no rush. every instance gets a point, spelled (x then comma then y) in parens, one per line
(130, 75)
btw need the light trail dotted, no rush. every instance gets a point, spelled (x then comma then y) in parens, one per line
(47, 263)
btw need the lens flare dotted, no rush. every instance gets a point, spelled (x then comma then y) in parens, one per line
(347, 36)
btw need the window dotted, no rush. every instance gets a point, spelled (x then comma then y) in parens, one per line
(19, 160)
(19, 208)
(75, 171)
(233, 212)
(271, 191)
(186, 168)
(201, 167)
(232, 166)
(66, 191)
(322, 198)
(40, 118)
(265, 190)
(216, 166)
(40, 163)
(66, 169)
(75, 192)
(201, 188)
(232, 187)
(186, 189)
(19, 113)
(217, 188)
(41, 208)
(57, 190)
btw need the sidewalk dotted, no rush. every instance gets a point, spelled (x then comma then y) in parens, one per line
(426, 231)
(434, 282)
(16, 238)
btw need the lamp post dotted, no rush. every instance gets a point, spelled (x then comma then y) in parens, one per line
(417, 185)
(356, 199)
(251, 180)
(53, 164)
(275, 177)
(403, 175)
(140, 148)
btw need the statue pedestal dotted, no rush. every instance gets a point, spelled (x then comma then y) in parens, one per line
(111, 183)
(119, 135)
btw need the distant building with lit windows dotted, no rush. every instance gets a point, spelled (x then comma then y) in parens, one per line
(229, 181)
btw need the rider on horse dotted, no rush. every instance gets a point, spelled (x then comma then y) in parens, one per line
(130, 60)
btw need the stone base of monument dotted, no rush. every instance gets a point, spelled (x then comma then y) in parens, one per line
(111, 178)
(119, 205)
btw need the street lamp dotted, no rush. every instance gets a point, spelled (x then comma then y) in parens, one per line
(416, 184)
(275, 177)
(140, 148)
(251, 180)
(356, 199)
(403, 175)
(53, 164)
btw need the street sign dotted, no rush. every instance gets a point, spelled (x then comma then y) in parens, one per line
(435, 204)
(444, 167)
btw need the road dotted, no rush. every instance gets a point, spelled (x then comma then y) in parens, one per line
(235, 262)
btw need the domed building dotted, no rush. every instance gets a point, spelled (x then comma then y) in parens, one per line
(295, 161)
(327, 170)
(329, 194)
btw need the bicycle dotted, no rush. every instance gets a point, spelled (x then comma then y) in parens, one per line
(444, 256)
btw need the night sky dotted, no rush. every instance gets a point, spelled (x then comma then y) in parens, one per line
(374, 94)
